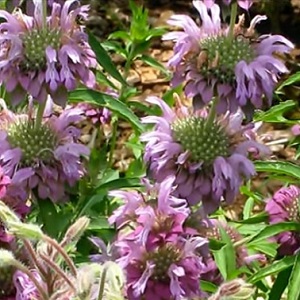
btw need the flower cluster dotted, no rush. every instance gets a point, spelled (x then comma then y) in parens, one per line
(229, 63)
(160, 259)
(44, 157)
(284, 207)
(245, 4)
(45, 55)
(208, 159)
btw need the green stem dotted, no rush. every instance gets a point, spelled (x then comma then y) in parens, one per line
(44, 13)
(233, 15)
(212, 113)
(102, 284)
(40, 113)
(113, 141)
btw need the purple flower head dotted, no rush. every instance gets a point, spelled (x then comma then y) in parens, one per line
(240, 70)
(295, 130)
(245, 4)
(208, 162)
(45, 157)
(284, 207)
(46, 58)
(160, 258)
(26, 290)
(158, 216)
(168, 271)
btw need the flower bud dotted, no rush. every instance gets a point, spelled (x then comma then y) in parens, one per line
(27, 231)
(236, 289)
(7, 215)
(76, 230)
(7, 258)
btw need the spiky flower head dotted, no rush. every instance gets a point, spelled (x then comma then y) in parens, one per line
(159, 261)
(239, 68)
(47, 156)
(45, 55)
(284, 207)
(208, 159)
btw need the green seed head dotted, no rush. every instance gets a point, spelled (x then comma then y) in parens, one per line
(35, 44)
(36, 142)
(222, 55)
(204, 144)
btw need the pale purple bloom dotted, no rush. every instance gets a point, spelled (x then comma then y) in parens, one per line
(45, 158)
(245, 4)
(284, 207)
(44, 61)
(160, 259)
(295, 130)
(166, 271)
(209, 163)
(240, 71)
(26, 290)
(97, 115)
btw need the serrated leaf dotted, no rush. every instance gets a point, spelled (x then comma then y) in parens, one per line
(104, 59)
(104, 100)
(276, 113)
(295, 78)
(278, 167)
(293, 285)
(273, 268)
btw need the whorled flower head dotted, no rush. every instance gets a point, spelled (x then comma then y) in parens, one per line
(245, 4)
(159, 260)
(156, 214)
(209, 161)
(240, 70)
(44, 59)
(45, 157)
(25, 288)
(284, 207)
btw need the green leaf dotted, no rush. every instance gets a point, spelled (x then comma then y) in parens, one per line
(225, 257)
(280, 284)
(207, 286)
(248, 208)
(276, 113)
(104, 59)
(278, 167)
(274, 229)
(102, 99)
(123, 35)
(294, 281)
(120, 183)
(295, 78)
(155, 64)
(271, 269)
(99, 223)
(215, 245)
(264, 247)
